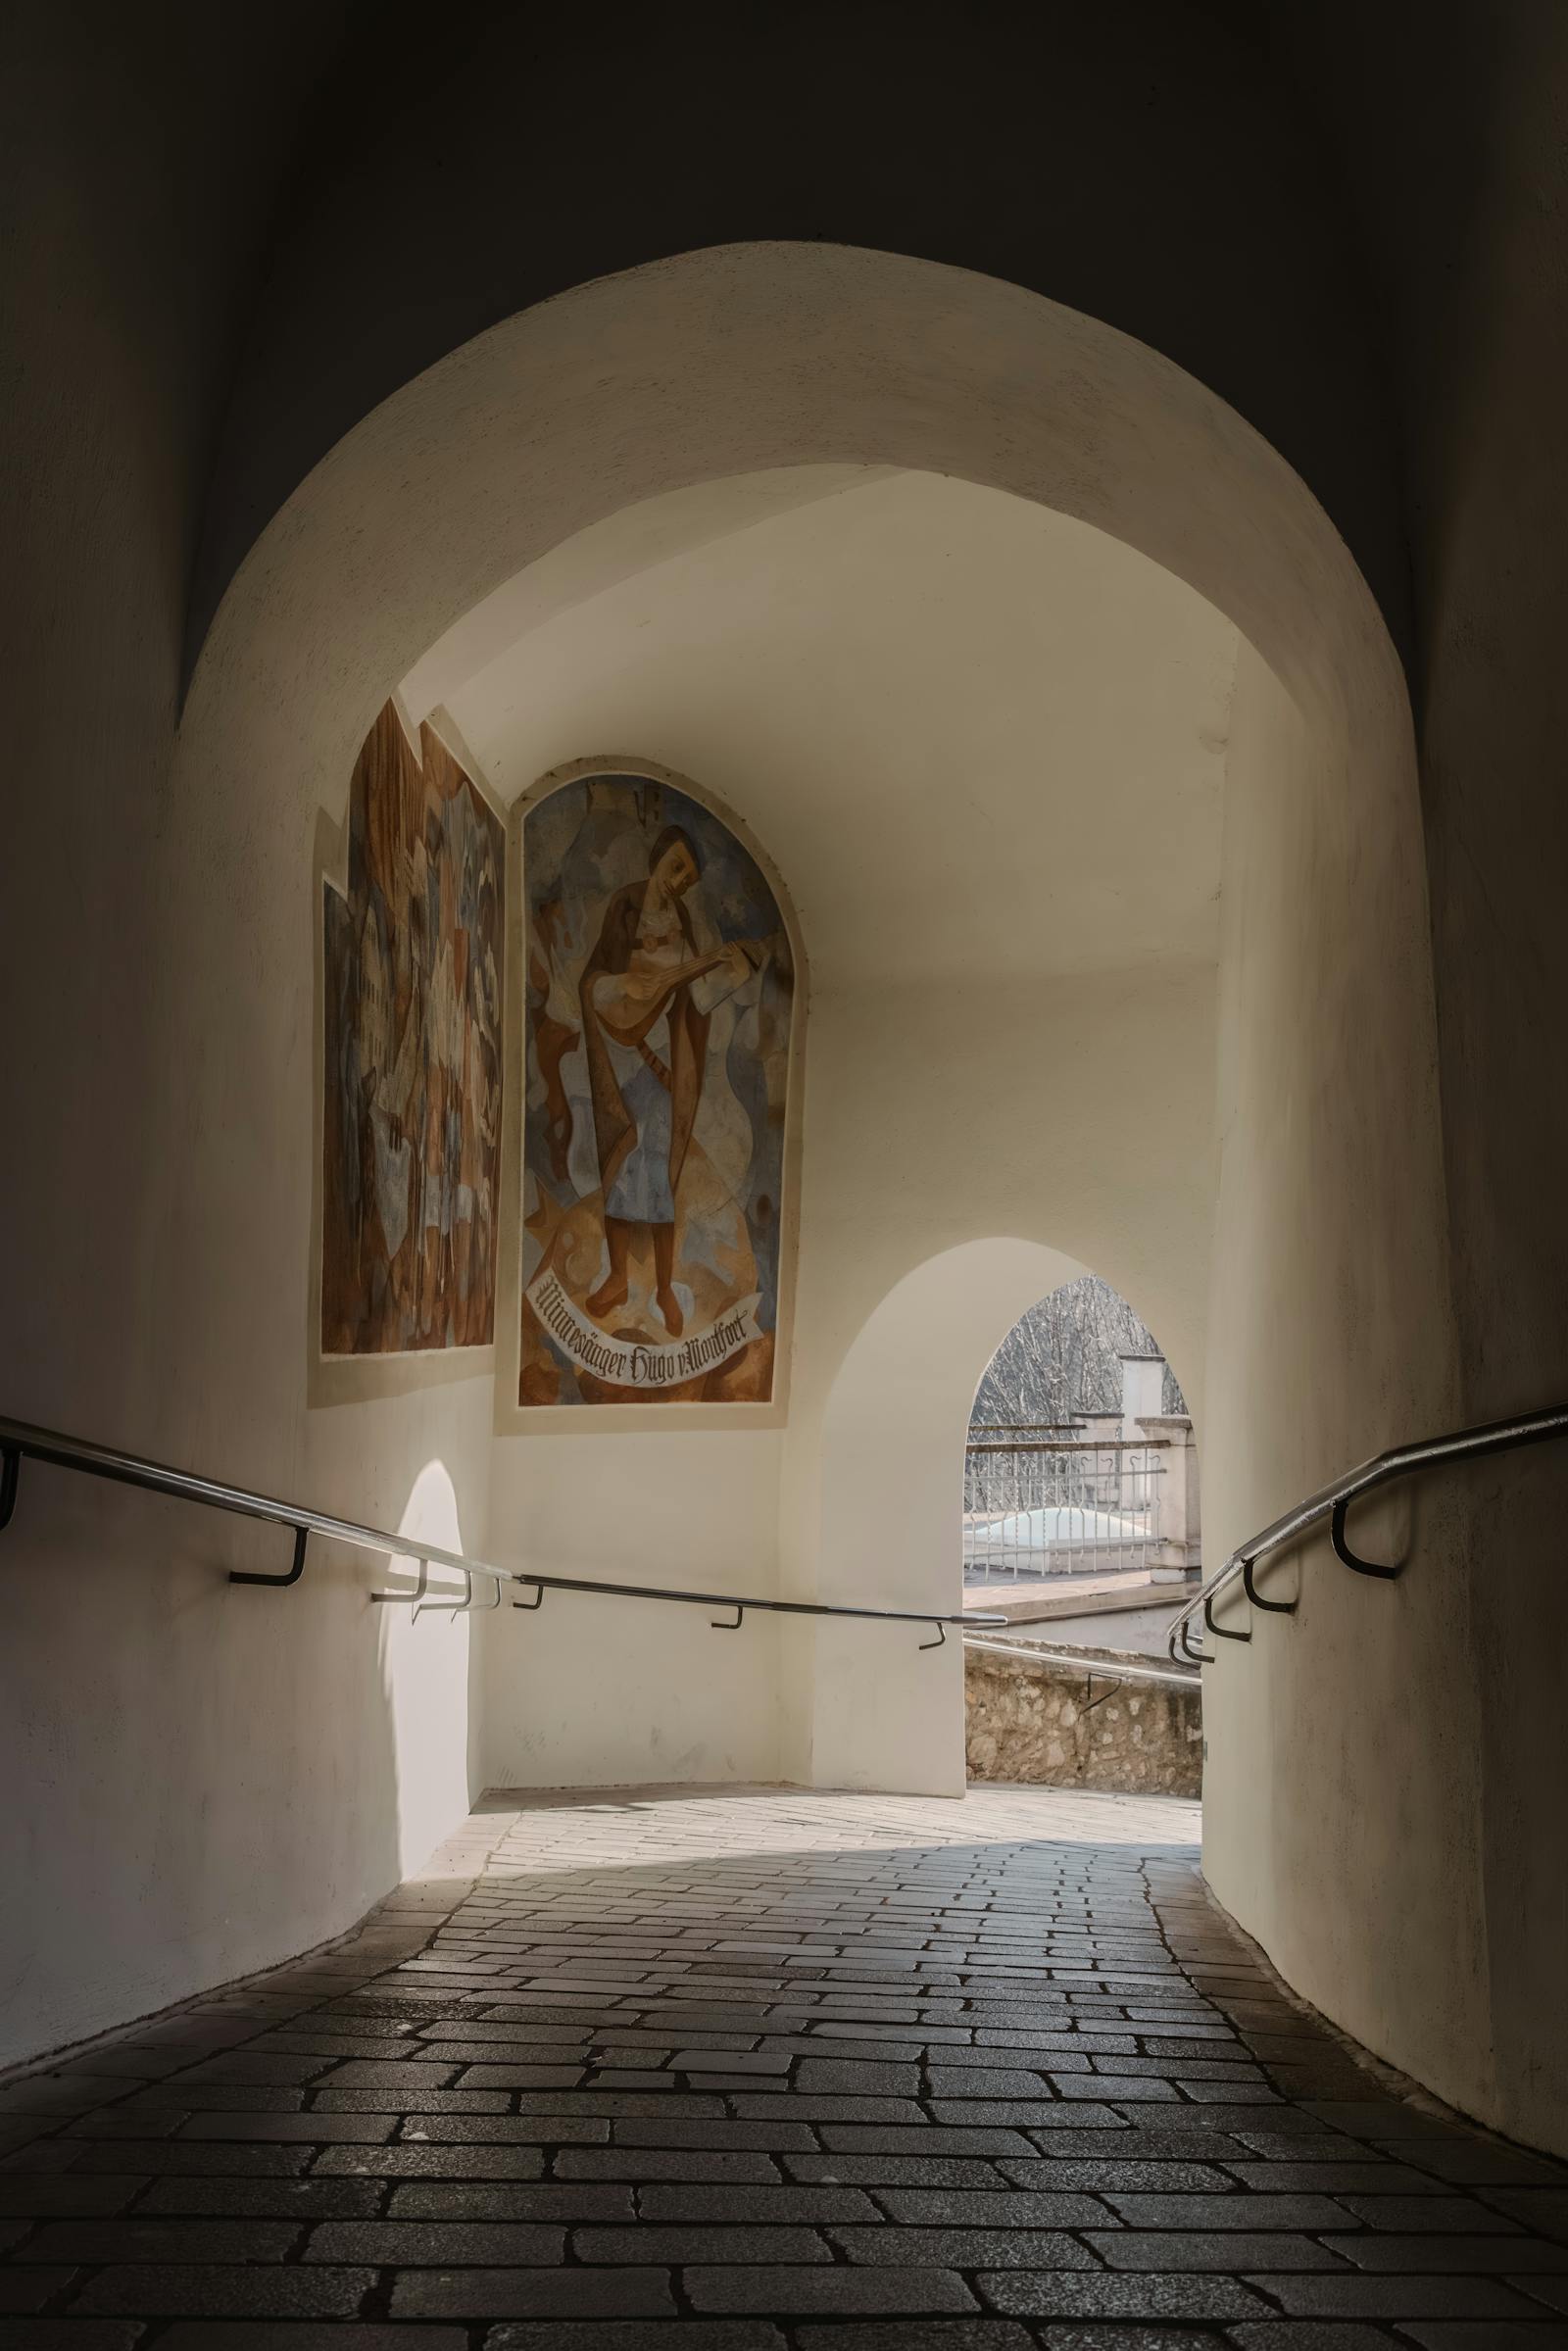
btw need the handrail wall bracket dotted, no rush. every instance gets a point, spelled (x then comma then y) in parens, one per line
(1272, 1608)
(302, 1536)
(1353, 1559)
(1221, 1631)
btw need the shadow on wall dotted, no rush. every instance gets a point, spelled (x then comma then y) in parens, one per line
(890, 1524)
(248, 1769)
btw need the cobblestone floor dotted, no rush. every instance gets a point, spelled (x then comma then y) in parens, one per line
(743, 2071)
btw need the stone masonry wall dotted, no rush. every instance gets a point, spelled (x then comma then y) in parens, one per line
(1037, 1723)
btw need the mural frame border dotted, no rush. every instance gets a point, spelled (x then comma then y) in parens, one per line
(368, 1379)
(514, 1419)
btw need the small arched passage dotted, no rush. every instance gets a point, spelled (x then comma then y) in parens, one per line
(890, 1509)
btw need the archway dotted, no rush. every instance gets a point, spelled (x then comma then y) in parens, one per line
(891, 1509)
(643, 387)
(1081, 1476)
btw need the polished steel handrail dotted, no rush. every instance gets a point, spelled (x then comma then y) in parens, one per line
(1170, 1676)
(1333, 1502)
(20, 1440)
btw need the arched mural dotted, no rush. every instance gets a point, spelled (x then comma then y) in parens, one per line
(661, 992)
(411, 1130)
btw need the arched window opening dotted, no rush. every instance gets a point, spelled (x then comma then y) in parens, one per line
(1081, 1490)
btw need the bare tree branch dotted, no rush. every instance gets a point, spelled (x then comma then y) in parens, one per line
(1059, 1359)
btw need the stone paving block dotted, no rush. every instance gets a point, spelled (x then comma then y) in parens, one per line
(409, 2075)
(44, 2195)
(918, 2334)
(285, 2291)
(362, 2128)
(392, 2244)
(792, 2291)
(1478, 2163)
(104, 2123)
(1131, 2338)
(805, 2206)
(68, 2334)
(394, 2102)
(1232, 2211)
(698, 2244)
(518, 2077)
(250, 2066)
(726, 2167)
(1308, 2334)
(1125, 2089)
(90, 2241)
(1450, 2252)
(53, 2094)
(402, 2161)
(1541, 2207)
(305, 2334)
(181, 2095)
(1055, 2294)
(966, 2248)
(1377, 2119)
(300, 2200)
(1100, 2174)
(818, 2106)
(178, 2158)
(1424, 2214)
(895, 2170)
(532, 2294)
(856, 2076)
(1338, 2179)
(462, 2129)
(611, 2335)
(1217, 2249)
(987, 2082)
(1360, 2295)
(851, 2139)
(1487, 2334)
(1025, 2113)
(30, 2289)
(991, 2208)
(25, 2151)
(714, 2138)
(567, 2202)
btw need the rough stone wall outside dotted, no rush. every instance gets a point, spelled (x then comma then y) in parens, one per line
(1027, 1721)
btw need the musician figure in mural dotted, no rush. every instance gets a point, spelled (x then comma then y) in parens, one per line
(648, 994)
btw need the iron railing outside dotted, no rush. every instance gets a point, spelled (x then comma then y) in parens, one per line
(1036, 1504)
(1332, 1502)
(20, 1440)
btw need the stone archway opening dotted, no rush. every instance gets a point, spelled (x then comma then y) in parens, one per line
(1082, 1526)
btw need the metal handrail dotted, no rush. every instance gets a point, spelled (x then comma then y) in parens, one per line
(1170, 1676)
(1333, 1502)
(20, 1440)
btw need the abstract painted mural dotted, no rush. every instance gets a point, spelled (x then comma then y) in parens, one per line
(659, 992)
(411, 1110)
